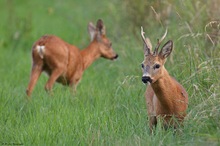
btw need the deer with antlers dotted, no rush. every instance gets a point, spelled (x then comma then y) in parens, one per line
(65, 63)
(165, 97)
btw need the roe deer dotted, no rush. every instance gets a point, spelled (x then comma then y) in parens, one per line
(66, 63)
(165, 97)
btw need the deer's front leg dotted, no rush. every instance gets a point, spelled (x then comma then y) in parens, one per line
(152, 123)
(74, 83)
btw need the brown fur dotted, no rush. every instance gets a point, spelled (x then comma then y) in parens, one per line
(165, 97)
(65, 63)
(170, 101)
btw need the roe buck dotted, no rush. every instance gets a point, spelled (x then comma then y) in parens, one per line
(66, 63)
(165, 97)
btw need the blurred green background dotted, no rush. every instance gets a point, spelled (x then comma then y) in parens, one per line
(109, 107)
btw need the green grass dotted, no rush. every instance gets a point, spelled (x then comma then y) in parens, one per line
(109, 106)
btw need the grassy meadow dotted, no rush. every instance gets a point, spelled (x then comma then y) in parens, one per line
(109, 106)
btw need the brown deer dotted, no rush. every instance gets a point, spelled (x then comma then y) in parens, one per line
(166, 98)
(65, 63)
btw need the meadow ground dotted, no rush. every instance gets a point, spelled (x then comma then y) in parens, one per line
(109, 106)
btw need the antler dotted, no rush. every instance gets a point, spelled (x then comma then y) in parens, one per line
(159, 42)
(146, 41)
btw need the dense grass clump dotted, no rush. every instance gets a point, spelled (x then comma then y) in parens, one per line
(109, 106)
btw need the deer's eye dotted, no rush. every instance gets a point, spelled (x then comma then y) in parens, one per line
(142, 65)
(156, 66)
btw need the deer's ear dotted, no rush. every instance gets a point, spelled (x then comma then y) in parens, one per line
(92, 31)
(100, 27)
(166, 49)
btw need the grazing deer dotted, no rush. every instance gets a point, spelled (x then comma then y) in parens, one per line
(65, 63)
(165, 97)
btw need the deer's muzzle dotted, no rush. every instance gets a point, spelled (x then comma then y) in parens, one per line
(115, 57)
(146, 79)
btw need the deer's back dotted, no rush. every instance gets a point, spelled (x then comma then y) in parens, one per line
(54, 53)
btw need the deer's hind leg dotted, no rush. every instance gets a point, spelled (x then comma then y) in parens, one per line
(35, 74)
(55, 74)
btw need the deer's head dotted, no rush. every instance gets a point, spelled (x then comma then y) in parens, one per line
(98, 35)
(153, 64)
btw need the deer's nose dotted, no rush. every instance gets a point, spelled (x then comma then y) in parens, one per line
(146, 79)
(116, 56)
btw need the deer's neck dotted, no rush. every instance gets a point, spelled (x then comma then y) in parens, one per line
(90, 54)
(163, 88)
